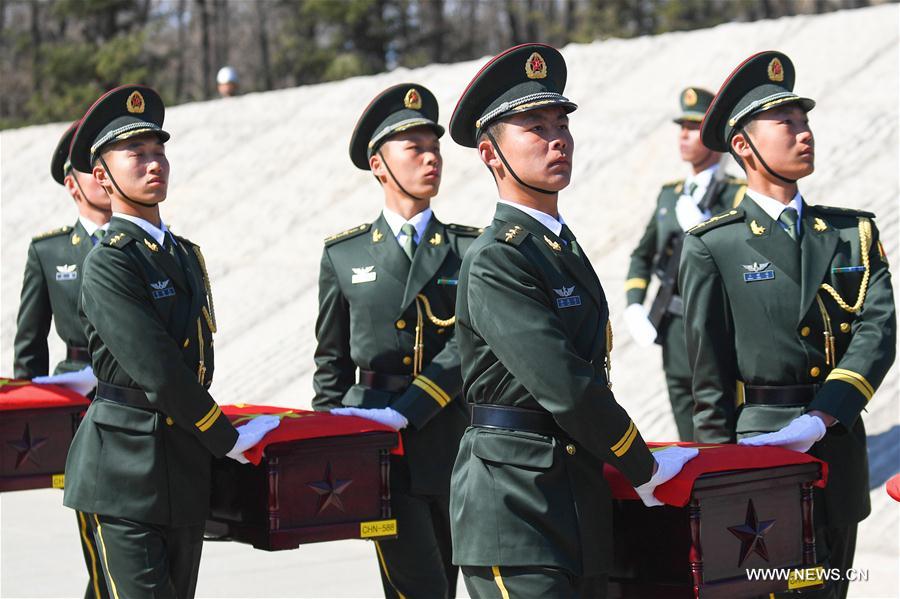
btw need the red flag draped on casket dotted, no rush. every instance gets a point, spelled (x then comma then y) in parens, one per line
(712, 458)
(298, 425)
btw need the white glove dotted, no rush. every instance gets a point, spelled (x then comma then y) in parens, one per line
(81, 381)
(639, 325)
(687, 213)
(250, 434)
(670, 461)
(386, 416)
(799, 435)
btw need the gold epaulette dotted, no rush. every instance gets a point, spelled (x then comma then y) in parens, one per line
(843, 211)
(465, 230)
(53, 233)
(348, 234)
(673, 183)
(732, 180)
(724, 218)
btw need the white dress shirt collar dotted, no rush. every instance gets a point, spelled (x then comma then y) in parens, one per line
(773, 207)
(157, 233)
(541, 217)
(702, 179)
(419, 221)
(90, 227)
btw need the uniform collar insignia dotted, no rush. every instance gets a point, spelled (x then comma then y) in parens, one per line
(436, 240)
(511, 234)
(75, 239)
(153, 247)
(819, 225)
(554, 245)
(377, 235)
(756, 228)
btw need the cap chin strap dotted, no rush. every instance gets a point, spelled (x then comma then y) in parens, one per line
(511, 171)
(763, 162)
(391, 173)
(119, 189)
(84, 195)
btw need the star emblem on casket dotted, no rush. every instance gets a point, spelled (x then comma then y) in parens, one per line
(27, 446)
(751, 534)
(329, 490)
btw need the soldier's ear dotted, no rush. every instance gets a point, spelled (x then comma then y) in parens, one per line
(71, 186)
(377, 166)
(101, 177)
(739, 146)
(488, 154)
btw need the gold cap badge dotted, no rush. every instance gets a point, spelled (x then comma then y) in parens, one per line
(535, 66)
(135, 103)
(412, 99)
(690, 97)
(775, 70)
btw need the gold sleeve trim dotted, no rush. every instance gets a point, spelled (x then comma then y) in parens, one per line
(624, 444)
(636, 283)
(432, 389)
(853, 378)
(207, 421)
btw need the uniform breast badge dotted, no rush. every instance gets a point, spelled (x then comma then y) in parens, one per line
(66, 272)
(363, 274)
(758, 272)
(162, 289)
(566, 299)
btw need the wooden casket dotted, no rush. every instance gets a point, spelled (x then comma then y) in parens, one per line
(736, 511)
(37, 423)
(317, 477)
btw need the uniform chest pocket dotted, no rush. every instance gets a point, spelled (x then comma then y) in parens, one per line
(526, 450)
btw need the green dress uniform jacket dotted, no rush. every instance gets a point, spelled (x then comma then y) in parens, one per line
(662, 225)
(50, 291)
(761, 311)
(368, 311)
(149, 326)
(533, 332)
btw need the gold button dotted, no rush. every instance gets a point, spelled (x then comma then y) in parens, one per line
(441, 331)
(187, 342)
(804, 331)
(169, 420)
(401, 324)
(814, 371)
(570, 449)
(845, 327)
(407, 360)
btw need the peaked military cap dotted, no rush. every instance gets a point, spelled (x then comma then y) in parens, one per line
(59, 164)
(396, 109)
(525, 77)
(694, 102)
(118, 114)
(763, 81)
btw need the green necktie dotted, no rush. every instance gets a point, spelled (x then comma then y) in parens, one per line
(788, 218)
(98, 235)
(409, 244)
(569, 237)
(691, 188)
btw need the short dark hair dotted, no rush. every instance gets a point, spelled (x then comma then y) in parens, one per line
(495, 129)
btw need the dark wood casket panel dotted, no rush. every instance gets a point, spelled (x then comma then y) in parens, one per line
(34, 445)
(704, 549)
(305, 492)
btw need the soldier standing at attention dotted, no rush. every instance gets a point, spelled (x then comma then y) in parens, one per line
(50, 292)
(789, 313)
(139, 465)
(530, 509)
(387, 297)
(681, 205)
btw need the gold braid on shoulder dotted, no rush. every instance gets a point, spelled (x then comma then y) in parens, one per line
(211, 315)
(865, 242)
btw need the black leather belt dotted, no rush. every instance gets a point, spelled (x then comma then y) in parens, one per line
(392, 383)
(517, 419)
(78, 354)
(781, 395)
(128, 396)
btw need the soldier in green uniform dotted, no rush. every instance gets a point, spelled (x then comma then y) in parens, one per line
(789, 314)
(530, 509)
(50, 293)
(139, 464)
(681, 205)
(387, 296)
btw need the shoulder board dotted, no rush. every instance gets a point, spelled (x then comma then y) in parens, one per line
(117, 240)
(733, 215)
(465, 230)
(732, 180)
(348, 234)
(53, 233)
(673, 183)
(511, 234)
(842, 211)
